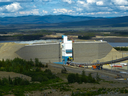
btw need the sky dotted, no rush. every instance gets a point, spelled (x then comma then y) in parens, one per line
(93, 8)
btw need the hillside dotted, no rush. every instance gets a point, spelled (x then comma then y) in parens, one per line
(43, 19)
(13, 24)
(7, 50)
(107, 22)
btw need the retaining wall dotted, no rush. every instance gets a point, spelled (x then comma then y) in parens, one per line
(45, 52)
(89, 51)
(82, 51)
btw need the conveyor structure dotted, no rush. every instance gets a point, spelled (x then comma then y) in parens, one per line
(100, 64)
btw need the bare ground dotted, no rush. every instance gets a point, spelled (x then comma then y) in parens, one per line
(7, 50)
(4, 74)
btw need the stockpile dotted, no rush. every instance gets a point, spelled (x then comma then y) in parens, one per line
(7, 50)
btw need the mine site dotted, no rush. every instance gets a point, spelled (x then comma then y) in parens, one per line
(63, 48)
(69, 56)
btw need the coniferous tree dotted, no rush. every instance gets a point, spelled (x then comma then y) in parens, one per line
(0, 82)
(77, 78)
(90, 79)
(10, 80)
(71, 78)
(83, 77)
(36, 62)
(5, 81)
(97, 77)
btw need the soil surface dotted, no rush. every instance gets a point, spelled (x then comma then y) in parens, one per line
(7, 50)
(4, 74)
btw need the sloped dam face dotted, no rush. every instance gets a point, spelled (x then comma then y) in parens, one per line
(82, 51)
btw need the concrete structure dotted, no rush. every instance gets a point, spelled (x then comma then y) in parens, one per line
(89, 51)
(44, 52)
(66, 49)
(82, 51)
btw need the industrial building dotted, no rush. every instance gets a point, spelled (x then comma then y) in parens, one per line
(84, 51)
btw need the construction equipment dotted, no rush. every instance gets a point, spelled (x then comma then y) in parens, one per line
(97, 66)
(118, 76)
(70, 59)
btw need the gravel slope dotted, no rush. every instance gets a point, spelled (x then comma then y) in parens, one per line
(7, 50)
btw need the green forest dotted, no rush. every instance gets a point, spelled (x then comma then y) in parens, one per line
(29, 68)
(43, 80)
(121, 48)
(18, 86)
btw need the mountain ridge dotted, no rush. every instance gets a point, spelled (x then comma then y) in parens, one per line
(57, 21)
(35, 19)
(108, 22)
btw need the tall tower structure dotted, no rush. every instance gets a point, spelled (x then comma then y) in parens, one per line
(66, 49)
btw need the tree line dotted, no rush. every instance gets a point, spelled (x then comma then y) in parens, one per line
(29, 68)
(14, 81)
(22, 37)
(72, 78)
(121, 48)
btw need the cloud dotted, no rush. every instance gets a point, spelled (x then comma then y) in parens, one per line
(41, 0)
(91, 1)
(78, 9)
(84, 4)
(45, 0)
(103, 13)
(32, 12)
(16, 0)
(62, 11)
(1, 9)
(100, 3)
(45, 12)
(120, 2)
(97, 13)
(81, 2)
(68, 1)
(35, 11)
(73, 7)
(123, 7)
(8, 2)
(11, 8)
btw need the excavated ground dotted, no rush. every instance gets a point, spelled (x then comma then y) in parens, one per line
(7, 50)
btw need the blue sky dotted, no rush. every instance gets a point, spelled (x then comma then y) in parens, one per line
(94, 8)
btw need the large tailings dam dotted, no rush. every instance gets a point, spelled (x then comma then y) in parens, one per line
(82, 51)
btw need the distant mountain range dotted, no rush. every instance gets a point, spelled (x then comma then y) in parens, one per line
(103, 22)
(28, 22)
(44, 19)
